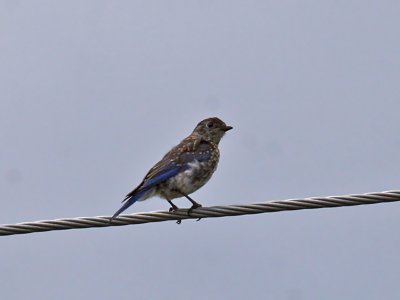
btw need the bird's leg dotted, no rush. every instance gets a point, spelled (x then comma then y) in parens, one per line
(173, 206)
(194, 204)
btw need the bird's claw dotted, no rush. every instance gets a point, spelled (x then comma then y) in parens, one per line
(194, 206)
(174, 209)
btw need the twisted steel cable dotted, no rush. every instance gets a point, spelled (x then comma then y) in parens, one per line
(202, 212)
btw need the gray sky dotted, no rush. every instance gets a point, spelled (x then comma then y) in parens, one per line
(93, 93)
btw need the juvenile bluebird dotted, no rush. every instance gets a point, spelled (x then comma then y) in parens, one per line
(184, 169)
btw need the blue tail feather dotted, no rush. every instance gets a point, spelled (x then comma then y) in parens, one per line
(129, 202)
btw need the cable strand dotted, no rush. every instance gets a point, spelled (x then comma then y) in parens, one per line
(202, 212)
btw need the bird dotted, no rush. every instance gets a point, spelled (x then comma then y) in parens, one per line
(184, 169)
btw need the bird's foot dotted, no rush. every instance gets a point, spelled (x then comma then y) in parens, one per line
(194, 206)
(173, 207)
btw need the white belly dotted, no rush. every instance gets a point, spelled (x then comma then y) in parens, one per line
(189, 181)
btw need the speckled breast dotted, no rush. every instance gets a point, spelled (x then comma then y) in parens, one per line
(194, 177)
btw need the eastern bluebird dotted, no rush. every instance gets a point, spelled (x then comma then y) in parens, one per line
(184, 169)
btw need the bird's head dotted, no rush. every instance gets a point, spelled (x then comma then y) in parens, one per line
(211, 129)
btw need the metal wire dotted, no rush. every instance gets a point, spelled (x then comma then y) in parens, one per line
(202, 212)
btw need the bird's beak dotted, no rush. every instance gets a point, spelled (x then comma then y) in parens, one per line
(227, 128)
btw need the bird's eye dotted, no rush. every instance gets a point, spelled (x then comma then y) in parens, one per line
(210, 124)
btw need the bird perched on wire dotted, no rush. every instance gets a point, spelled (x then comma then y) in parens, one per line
(184, 169)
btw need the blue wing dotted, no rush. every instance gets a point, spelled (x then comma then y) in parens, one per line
(160, 176)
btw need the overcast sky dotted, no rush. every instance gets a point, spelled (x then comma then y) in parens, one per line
(93, 93)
